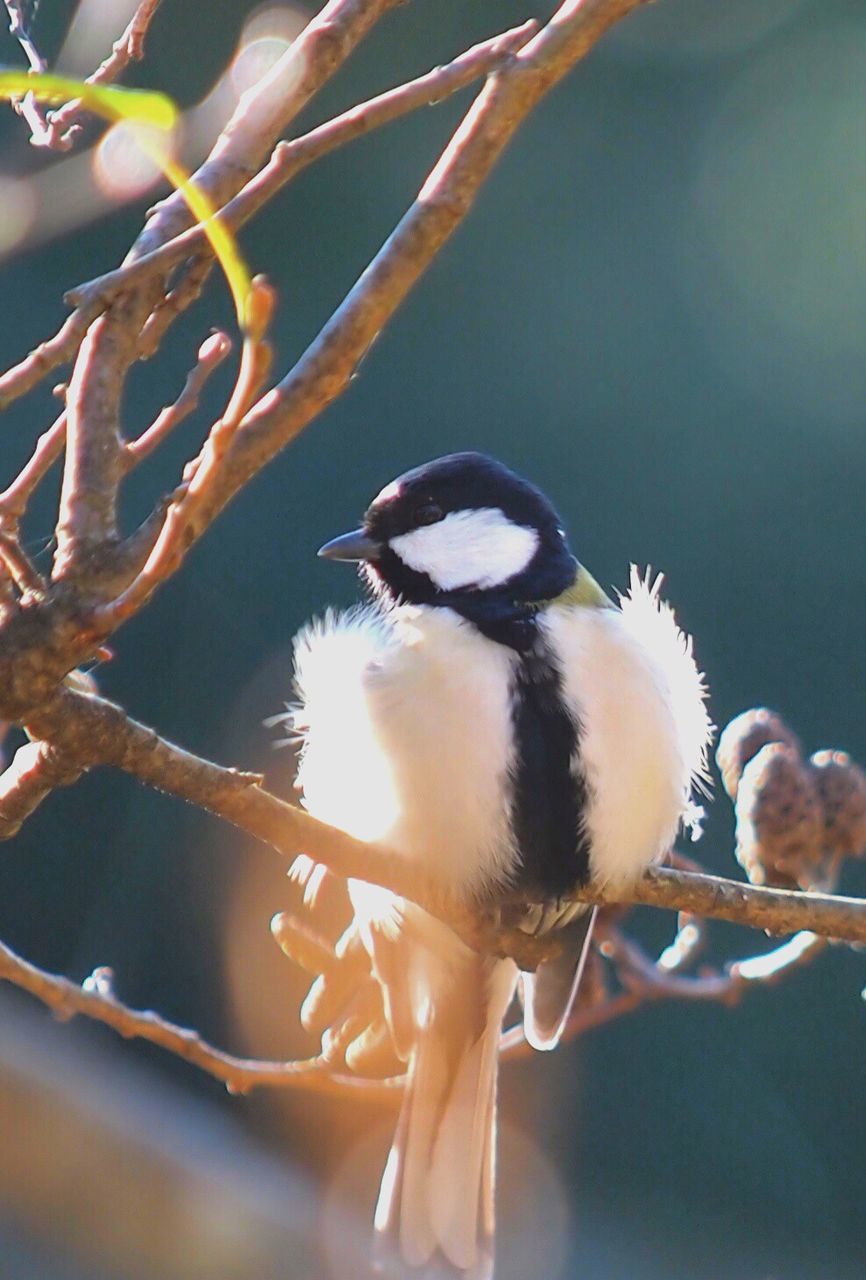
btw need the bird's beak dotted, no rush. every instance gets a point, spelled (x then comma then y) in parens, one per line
(351, 546)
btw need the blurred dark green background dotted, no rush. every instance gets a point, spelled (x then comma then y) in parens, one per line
(657, 310)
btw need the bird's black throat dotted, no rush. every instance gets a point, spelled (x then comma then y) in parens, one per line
(549, 790)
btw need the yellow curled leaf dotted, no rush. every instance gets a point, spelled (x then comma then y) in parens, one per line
(155, 111)
(145, 106)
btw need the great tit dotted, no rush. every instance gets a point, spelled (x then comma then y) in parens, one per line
(492, 715)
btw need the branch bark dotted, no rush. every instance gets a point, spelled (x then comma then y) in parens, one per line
(325, 369)
(86, 528)
(94, 731)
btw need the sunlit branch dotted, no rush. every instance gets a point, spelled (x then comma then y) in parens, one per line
(291, 157)
(15, 497)
(95, 731)
(62, 124)
(211, 354)
(95, 999)
(644, 983)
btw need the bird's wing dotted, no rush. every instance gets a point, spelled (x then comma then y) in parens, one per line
(549, 993)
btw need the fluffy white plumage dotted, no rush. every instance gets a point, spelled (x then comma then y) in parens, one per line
(405, 719)
(631, 680)
(407, 740)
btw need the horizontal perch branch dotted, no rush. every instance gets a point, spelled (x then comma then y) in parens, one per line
(94, 731)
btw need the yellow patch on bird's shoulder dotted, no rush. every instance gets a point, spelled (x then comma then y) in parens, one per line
(584, 591)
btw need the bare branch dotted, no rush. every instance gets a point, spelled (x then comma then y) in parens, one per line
(95, 731)
(96, 1000)
(28, 107)
(289, 158)
(63, 122)
(777, 911)
(36, 769)
(19, 566)
(49, 446)
(175, 302)
(48, 356)
(325, 369)
(87, 522)
(646, 982)
(86, 529)
(211, 354)
(643, 980)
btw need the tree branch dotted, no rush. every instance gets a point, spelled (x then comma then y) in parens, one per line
(86, 528)
(95, 999)
(63, 122)
(325, 369)
(211, 354)
(36, 769)
(290, 157)
(49, 355)
(94, 731)
(28, 107)
(16, 496)
(644, 983)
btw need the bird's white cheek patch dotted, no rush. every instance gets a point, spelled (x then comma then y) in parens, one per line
(481, 548)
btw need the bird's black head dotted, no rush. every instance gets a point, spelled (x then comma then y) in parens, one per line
(465, 532)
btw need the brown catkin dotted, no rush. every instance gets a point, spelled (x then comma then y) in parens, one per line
(743, 738)
(841, 786)
(780, 824)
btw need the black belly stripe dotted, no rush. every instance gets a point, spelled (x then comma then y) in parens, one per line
(549, 794)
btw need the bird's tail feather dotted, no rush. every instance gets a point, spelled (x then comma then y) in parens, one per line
(548, 994)
(435, 1208)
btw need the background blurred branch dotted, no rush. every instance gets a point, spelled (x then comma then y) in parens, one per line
(640, 979)
(62, 123)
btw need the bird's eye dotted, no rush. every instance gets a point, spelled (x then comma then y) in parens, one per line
(428, 513)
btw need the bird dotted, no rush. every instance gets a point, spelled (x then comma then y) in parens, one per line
(492, 715)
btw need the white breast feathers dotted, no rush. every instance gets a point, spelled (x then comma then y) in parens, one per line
(631, 681)
(406, 726)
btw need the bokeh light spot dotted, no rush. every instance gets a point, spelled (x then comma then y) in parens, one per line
(255, 60)
(774, 232)
(685, 30)
(122, 167)
(17, 211)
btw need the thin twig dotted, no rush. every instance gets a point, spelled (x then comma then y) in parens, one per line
(289, 158)
(49, 446)
(211, 354)
(646, 982)
(62, 122)
(181, 296)
(48, 356)
(95, 1000)
(201, 475)
(35, 771)
(19, 565)
(326, 368)
(28, 107)
(86, 528)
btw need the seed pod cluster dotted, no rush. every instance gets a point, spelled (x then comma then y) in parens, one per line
(796, 818)
(842, 791)
(743, 738)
